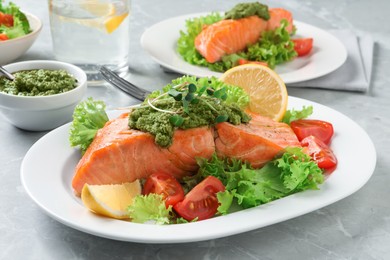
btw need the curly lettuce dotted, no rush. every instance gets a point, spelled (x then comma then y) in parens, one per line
(150, 207)
(292, 172)
(20, 27)
(292, 114)
(88, 117)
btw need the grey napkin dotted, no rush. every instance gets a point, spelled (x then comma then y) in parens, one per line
(355, 73)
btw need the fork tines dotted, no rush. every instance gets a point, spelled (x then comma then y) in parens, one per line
(122, 84)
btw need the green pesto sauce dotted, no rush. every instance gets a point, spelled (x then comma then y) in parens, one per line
(158, 124)
(243, 10)
(41, 82)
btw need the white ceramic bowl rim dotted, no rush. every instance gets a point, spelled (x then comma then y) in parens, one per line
(16, 102)
(10, 67)
(34, 29)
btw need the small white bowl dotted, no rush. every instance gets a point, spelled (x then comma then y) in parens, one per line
(14, 48)
(41, 113)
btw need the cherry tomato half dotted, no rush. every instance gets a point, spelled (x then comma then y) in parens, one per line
(318, 128)
(320, 152)
(201, 202)
(3, 37)
(6, 19)
(303, 46)
(244, 61)
(166, 185)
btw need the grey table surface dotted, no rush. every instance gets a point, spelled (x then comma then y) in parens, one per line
(357, 227)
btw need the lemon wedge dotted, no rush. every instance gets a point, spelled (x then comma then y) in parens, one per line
(267, 91)
(110, 200)
(108, 18)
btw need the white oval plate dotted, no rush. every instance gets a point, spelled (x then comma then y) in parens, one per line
(47, 171)
(328, 53)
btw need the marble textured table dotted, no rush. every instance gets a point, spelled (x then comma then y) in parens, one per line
(357, 227)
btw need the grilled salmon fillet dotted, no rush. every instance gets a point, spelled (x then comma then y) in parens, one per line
(232, 36)
(119, 154)
(228, 36)
(257, 142)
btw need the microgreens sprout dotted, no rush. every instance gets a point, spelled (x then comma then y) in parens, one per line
(189, 93)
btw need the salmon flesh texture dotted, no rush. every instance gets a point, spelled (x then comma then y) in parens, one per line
(232, 36)
(119, 154)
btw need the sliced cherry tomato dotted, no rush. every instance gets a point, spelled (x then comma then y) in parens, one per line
(6, 19)
(201, 202)
(166, 185)
(244, 61)
(320, 152)
(318, 128)
(303, 46)
(3, 37)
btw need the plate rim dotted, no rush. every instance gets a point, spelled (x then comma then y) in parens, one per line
(146, 233)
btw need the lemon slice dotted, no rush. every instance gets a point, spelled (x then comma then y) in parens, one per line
(110, 200)
(112, 23)
(107, 16)
(267, 91)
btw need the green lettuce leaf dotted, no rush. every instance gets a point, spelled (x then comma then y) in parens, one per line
(21, 25)
(292, 172)
(292, 115)
(150, 207)
(274, 47)
(88, 117)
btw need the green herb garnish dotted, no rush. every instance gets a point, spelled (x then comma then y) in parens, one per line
(186, 103)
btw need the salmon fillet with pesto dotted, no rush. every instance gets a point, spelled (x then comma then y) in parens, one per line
(119, 154)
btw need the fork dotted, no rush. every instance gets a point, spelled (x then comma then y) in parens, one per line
(122, 84)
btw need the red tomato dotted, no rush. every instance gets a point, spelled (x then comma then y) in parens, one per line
(6, 19)
(166, 185)
(303, 46)
(3, 37)
(320, 152)
(318, 128)
(244, 61)
(201, 202)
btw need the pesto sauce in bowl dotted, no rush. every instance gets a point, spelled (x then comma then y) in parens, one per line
(39, 82)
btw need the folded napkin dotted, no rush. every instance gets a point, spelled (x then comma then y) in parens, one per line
(355, 73)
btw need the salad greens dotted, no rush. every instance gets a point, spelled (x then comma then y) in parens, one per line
(293, 114)
(274, 47)
(20, 25)
(88, 117)
(150, 207)
(246, 187)
(292, 172)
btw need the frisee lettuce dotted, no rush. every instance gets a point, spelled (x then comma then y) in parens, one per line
(88, 117)
(274, 47)
(292, 172)
(21, 25)
(292, 114)
(150, 207)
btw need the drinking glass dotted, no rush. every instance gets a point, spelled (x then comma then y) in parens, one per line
(91, 33)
